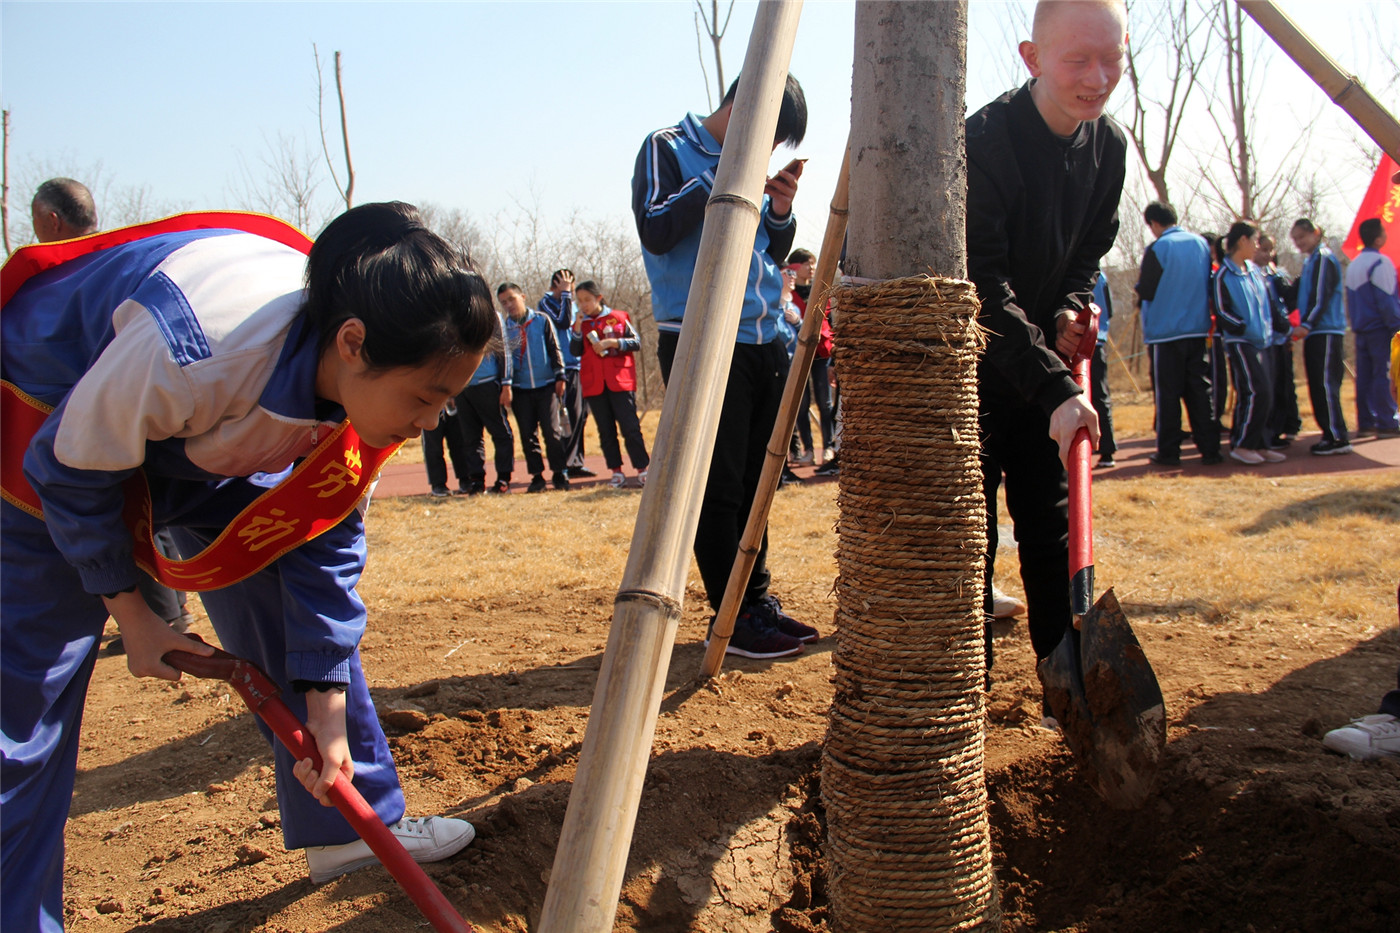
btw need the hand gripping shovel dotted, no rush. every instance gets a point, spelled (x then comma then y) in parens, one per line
(263, 698)
(1097, 681)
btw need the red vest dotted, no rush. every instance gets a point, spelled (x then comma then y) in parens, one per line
(611, 369)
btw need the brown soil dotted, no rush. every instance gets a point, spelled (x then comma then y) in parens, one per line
(485, 690)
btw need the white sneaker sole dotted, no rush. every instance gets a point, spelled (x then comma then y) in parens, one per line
(434, 854)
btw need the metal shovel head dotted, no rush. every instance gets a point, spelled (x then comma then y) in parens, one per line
(1100, 687)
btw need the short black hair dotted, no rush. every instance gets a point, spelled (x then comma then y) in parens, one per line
(559, 274)
(418, 297)
(1370, 231)
(792, 116)
(799, 256)
(1159, 212)
(70, 200)
(1306, 225)
(1239, 230)
(506, 287)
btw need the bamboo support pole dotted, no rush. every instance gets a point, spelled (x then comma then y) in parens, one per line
(776, 454)
(1346, 91)
(591, 860)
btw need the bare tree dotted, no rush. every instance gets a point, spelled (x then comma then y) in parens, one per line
(283, 184)
(118, 205)
(5, 185)
(716, 32)
(1170, 44)
(346, 191)
(1264, 193)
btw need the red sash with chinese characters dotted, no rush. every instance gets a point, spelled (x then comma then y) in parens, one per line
(321, 491)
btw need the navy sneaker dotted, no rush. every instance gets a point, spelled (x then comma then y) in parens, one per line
(561, 480)
(755, 637)
(1330, 448)
(773, 609)
(537, 484)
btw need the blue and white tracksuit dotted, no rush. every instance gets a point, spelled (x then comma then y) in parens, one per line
(1246, 311)
(1098, 371)
(1174, 284)
(1320, 310)
(1375, 318)
(183, 354)
(671, 184)
(536, 365)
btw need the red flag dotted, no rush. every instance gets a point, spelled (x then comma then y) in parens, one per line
(1382, 200)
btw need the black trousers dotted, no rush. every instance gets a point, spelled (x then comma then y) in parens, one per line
(570, 417)
(448, 430)
(1016, 443)
(1322, 358)
(1102, 400)
(535, 410)
(1285, 419)
(751, 400)
(1252, 370)
(1219, 380)
(479, 410)
(615, 411)
(1181, 372)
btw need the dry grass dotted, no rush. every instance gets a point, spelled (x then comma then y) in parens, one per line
(1213, 549)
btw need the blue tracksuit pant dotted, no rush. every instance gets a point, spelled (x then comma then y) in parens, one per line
(1375, 409)
(48, 645)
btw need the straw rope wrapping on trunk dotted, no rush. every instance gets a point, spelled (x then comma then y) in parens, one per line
(902, 780)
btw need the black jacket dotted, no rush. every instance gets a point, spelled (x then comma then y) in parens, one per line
(1041, 212)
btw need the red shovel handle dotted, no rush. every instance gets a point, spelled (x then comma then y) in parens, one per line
(1081, 497)
(262, 696)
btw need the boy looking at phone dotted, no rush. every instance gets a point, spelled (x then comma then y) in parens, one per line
(671, 185)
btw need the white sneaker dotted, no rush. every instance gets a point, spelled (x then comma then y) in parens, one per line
(618, 480)
(427, 839)
(642, 477)
(1244, 455)
(1273, 456)
(1006, 607)
(1369, 737)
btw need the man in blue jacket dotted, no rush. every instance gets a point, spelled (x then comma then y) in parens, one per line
(670, 187)
(1173, 284)
(1322, 324)
(1375, 318)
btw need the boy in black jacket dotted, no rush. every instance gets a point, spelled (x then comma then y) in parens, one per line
(1045, 170)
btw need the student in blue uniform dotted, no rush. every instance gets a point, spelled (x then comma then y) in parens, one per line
(1375, 318)
(1322, 324)
(213, 359)
(1246, 311)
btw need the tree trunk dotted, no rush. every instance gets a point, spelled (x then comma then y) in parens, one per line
(908, 841)
(909, 161)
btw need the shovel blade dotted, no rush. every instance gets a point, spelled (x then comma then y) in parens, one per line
(1102, 690)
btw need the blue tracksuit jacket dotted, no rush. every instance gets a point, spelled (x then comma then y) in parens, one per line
(1320, 293)
(671, 185)
(1244, 305)
(1173, 285)
(1371, 297)
(533, 347)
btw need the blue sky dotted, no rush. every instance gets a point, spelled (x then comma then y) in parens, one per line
(478, 106)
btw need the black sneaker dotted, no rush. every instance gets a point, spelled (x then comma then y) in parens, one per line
(475, 488)
(789, 478)
(1105, 463)
(1164, 461)
(538, 484)
(1212, 459)
(501, 487)
(561, 480)
(580, 472)
(771, 607)
(1279, 443)
(1387, 432)
(1326, 448)
(755, 637)
(832, 467)
(439, 492)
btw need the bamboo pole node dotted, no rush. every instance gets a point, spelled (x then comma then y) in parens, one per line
(908, 844)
